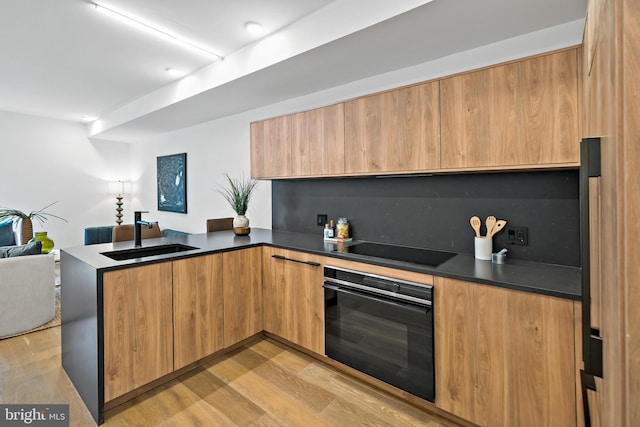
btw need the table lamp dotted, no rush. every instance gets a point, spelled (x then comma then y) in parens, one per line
(118, 188)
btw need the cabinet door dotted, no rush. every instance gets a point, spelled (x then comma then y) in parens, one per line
(479, 118)
(138, 332)
(455, 314)
(504, 357)
(271, 147)
(197, 308)
(522, 113)
(394, 131)
(242, 294)
(547, 100)
(317, 142)
(294, 298)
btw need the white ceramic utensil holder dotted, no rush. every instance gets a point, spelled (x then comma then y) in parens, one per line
(483, 247)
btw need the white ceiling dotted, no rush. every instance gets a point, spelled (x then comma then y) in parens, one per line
(63, 59)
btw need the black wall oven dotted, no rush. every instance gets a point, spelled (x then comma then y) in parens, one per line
(382, 327)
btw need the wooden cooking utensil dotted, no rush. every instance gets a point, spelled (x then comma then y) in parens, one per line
(496, 228)
(475, 224)
(491, 221)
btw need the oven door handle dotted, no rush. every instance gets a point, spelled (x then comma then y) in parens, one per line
(403, 305)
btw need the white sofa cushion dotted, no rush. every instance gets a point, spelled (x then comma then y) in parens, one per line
(27, 292)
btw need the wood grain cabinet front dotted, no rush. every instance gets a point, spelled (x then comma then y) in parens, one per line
(271, 147)
(317, 142)
(309, 143)
(294, 297)
(522, 113)
(242, 294)
(163, 317)
(393, 132)
(503, 357)
(138, 330)
(518, 115)
(197, 308)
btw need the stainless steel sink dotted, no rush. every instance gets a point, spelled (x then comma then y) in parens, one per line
(147, 251)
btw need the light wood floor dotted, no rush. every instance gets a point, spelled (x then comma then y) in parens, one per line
(264, 383)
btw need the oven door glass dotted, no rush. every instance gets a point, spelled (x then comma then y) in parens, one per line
(391, 341)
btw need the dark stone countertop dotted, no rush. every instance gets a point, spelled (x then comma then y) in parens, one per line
(546, 279)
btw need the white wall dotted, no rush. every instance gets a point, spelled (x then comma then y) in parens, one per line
(212, 148)
(45, 160)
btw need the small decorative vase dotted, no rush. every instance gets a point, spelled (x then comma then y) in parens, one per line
(47, 243)
(240, 221)
(241, 225)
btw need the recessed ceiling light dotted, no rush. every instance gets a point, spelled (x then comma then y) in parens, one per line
(253, 27)
(173, 72)
(88, 118)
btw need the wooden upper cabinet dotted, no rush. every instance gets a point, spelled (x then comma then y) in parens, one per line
(479, 118)
(138, 330)
(394, 131)
(522, 114)
(271, 147)
(310, 143)
(519, 114)
(242, 294)
(197, 308)
(317, 142)
(547, 97)
(504, 357)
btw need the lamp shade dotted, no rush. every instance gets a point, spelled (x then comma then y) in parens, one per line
(119, 187)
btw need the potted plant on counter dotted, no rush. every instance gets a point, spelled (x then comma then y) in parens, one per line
(26, 223)
(238, 193)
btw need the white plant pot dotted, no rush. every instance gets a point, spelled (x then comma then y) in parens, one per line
(240, 221)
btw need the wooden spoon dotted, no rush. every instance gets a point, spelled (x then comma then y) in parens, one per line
(496, 228)
(491, 221)
(475, 224)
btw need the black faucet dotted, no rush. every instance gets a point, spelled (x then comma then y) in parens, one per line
(137, 230)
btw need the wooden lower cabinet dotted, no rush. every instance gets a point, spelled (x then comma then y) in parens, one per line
(503, 357)
(163, 317)
(138, 329)
(242, 294)
(197, 308)
(294, 297)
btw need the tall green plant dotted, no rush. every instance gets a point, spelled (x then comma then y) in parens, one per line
(41, 214)
(238, 193)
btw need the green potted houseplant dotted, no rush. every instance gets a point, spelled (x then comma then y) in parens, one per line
(238, 193)
(26, 220)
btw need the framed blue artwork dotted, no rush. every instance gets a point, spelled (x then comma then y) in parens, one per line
(172, 183)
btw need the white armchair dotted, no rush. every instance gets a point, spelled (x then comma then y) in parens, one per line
(27, 292)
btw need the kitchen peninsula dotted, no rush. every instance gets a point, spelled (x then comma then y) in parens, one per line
(125, 324)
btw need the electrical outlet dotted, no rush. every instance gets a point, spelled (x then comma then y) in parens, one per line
(518, 235)
(321, 220)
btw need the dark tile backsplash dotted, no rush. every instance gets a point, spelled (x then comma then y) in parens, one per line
(433, 211)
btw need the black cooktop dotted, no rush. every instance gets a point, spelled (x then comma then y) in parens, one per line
(399, 253)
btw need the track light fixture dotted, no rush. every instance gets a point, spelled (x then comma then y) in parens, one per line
(136, 22)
